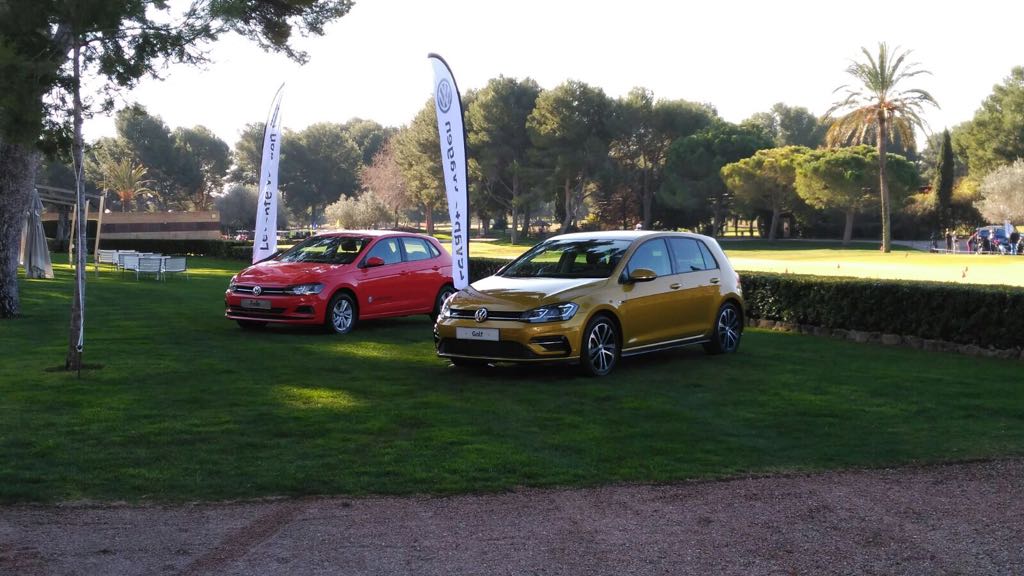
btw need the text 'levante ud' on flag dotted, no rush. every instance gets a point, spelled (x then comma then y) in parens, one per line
(265, 240)
(453, 158)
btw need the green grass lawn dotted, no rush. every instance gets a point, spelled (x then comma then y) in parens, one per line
(188, 406)
(865, 261)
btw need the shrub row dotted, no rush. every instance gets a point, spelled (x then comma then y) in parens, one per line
(484, 267)
(214, 248)
(987, 316)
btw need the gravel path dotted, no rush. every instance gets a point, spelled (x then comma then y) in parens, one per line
(952, 519)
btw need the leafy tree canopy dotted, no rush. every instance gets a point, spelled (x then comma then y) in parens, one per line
(995, 136)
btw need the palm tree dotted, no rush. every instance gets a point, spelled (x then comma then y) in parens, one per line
(126, 179)
(877, 109)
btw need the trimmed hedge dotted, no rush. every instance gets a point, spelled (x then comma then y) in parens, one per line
(986, 316)
(483, 267)
(215, 248)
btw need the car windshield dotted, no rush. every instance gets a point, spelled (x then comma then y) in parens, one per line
(575, 258)
(325, 250)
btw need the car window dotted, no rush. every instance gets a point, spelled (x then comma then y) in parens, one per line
(687, 255)
(709, 259)
(325, 249)
(387, 250)
(417, 249)
(569, 258)
(652, 255)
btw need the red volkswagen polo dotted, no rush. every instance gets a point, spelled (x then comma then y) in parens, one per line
(339, 278)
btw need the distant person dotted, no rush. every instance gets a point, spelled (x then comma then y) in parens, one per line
(986, 243)
(1014, 240)
(949, 241)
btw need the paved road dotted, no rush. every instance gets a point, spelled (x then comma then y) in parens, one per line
(958, 519)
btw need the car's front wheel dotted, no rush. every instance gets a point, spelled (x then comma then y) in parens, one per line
(728, 330)
(341, 314)
(600, 350)
(446, 291)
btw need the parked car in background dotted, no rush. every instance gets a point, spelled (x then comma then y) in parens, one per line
(991, 239)
(339, 278)
(591, 298)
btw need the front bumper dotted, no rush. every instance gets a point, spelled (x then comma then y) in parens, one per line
(305, 309)
(517, 341)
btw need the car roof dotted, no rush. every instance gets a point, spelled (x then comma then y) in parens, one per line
(622, 235)
(373, 233)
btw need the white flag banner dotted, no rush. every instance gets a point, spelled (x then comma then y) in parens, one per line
(265, 240)
(453, 158)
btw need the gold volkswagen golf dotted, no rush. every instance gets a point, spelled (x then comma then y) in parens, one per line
(592, 298)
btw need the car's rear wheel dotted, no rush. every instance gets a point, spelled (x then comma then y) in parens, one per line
(251, 324)
(442, 295)
(341, 314)
(727, 332)
(600, 348)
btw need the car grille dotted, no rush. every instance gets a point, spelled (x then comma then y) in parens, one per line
(482, 348)
(498, 315)
(247, 289)
(249, 312)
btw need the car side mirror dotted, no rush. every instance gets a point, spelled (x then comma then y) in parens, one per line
(642, 275)
(374, 261)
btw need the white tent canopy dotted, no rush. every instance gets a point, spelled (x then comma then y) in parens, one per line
(35, 255)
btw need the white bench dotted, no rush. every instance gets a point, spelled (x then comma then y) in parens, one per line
(149, 265)
(175, 264)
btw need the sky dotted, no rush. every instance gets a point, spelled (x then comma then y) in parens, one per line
(741, 56)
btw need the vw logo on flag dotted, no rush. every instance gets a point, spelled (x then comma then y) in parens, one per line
(444, 96)
(481, 315)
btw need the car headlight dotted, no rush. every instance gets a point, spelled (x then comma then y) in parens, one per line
(446, 308)
(552, 313)
(301, 289)
(232, 282)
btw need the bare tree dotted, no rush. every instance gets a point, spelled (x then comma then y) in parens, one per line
(383, 179)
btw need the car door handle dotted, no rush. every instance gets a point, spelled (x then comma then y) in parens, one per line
(675, 286)
(714, 280)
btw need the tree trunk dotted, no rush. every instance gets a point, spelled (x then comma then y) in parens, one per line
(883, 183)
(514, 232)
(773, 226)
(848, 230)
(526, 220)
(17, 178)
(428, 213)
(568, 207)
(647, 199)
(73, 360)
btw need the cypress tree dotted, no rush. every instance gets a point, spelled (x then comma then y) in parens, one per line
(943, 183)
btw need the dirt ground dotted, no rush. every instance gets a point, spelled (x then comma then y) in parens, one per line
(960, 519)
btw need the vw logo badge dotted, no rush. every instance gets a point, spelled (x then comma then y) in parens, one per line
(444, 96)
(256, 290)
(481, 315)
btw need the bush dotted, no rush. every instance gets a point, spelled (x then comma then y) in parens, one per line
(480, 268)
(215, 248)
(987, 316)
